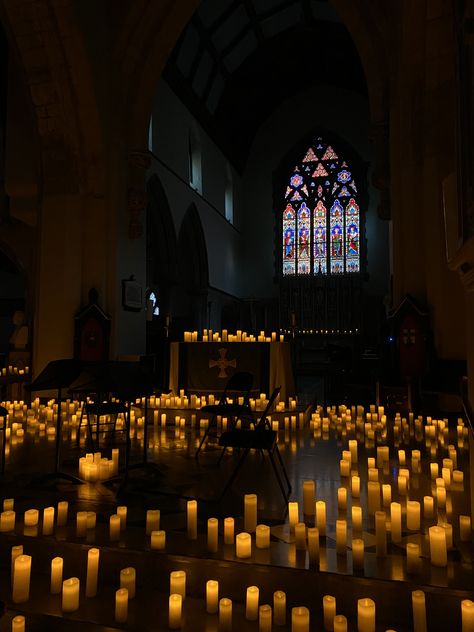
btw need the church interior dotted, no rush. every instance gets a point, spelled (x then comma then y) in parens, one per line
(236, 315)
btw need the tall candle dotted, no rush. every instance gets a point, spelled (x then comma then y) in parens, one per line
(265, 618)
(380, 534)
(358, 553)
(373, 497)
(262, 536)
(386, 495)
(353, 450)
(300, 619)
(279, 607)
(341, 537)
(365, 615)
(300, 536)
(62, 512)
(438, 548)
(250, 512)
(158, 540)
(293, 515)
(92, 572)
(56, 575)
(340, 623)
(413, 557)
(121, 605)
(212, 596)
(321, 517)
(70, 600)
(122, 514)
(178, 583)
(467, 615)
(175, 611)
(428, 507)
(212, 534)
(192, 519)
(329, 612)
(152, 520)
(396, 521)
(308, 497)
(48, 520)
(251, 604)
(441, 496)
(225, 614)
(434, 470)
(21, 579)
(243, 545)
(114, 527)
(356, 519)
(419, 611)
(355, 486)
(342, 498)
(228, 531)
(344, 468)
(16, 551)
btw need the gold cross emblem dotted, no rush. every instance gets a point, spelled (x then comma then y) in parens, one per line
(222, 363)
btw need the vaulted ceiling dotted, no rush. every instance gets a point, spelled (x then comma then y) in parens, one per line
(238, 60)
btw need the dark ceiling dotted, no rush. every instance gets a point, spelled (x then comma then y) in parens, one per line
(238, 60)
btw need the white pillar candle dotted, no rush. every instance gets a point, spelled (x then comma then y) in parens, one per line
(92, 572)
(48, 520)
(251, 604)
(342, 498)
(465, 528)
(428, 507)
(250, 512)
(81, 524)
(365, 615)
(380, 534)
(344, 468)
(321, 517)
(70, 599)
(396, 521)
(122, 514)
(192, 519)
(18, 623)
(386, 495)
(308, 498)
(31, 517)
(56, 575)
(293, 512)
(419, 611)
(358, 553)
(243, 545)
(262, 536)
(279, 607)
(225, 614)
(353, 450)
(356, 519)
(158, 540)
(313, 545)
(340, 623)
(373, 474)
(21, 579)
(175, 611)
(413, 556)
(228, 531)
(7, 521)
(62, 512)
(300, 619)
(212, 596)
(413, 515)
(441, 497)
(265, 618)
(467, 615)
(438, 548)
(212, 535)
(114, 527)
(329, 612)
(341, 537)
(373, 497)
(355, 486)
(121, 605)
(178, 583)
(434, 470)
(152, 520)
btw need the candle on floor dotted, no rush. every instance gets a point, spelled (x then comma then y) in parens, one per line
(212, 596)
(353, 450)
(380, 534)
(356, 519)
(300, 619)
(56, 575)
(114, 527)
(158, 540)
(355, 486)
(262, 536)
(121, 605)
(321, 517)
(419, 611)
(340, 623)
(467, 615)
(358, 553)
(413, 515)
(175, 611)
(465, 528)
(92, 572)
(152, 520)
(48, 520)
(342, 498)
(21, 579)
(225, 614)
(122, 514)
(293, 515)
(300, 536)
(413, 557)
(228, 531)
(365, 615)
(438, 548)
(265, 618)
(309, 497)
(428, 507)
(18, 623)
(7, 521)
(62, 512)
(250, 512)
(81, 524)
(212, 535)
(251, 604)
(279, 607)
(243, 545)
(341, 537)
(31, 518)
(70, 600)
(373, 497)
(192, 519)
(396, 521)
(178, 583)
(329, 612)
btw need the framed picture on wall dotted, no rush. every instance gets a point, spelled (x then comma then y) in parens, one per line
(132, 295)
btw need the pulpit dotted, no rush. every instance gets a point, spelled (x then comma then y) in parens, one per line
(91, 331)
(409, 327)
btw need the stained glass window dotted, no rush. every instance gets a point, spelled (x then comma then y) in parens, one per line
(321, 217)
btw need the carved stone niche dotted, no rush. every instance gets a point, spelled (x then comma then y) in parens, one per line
(91, 331)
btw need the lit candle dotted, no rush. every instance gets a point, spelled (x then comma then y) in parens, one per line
(192, 519)
(56, 575)
(342, 498)
(122, 514)
(353, 450)
(251, 605)
(279, 607)
(70, 600)
(18, 623)
(373, 497)
(467, 615)
(225, 614)
(265, 618)
(175, 610)
(458, 476)
(15, 552)
(402, 485)
(413, 556)
(428, 507)
(341, 537)
(355, 486)
(300, 536)
(92, 572)
(243, 545)
(365, 615)
(212, 535)
(358, 553)
(293, 515)
(31, 517)
(308, 498)
(262, 539)
(380, 534)
(114, 527)
(313, 545)
(396, 521)
(344, 468)
(329, 610)
(212, 596)
(250, 512)
(81, 524)
(121, 605)
(21, 579)
(300, 619)
(386, 495)
(419, 611)
(438, 548)
(152, 520)
(7, 521)
(62, 512)
(158, 540)
(413, 515)
(178, 583)
(465, 528)
(356, 519)
(228, 531)
(321, 517)
(340, 623)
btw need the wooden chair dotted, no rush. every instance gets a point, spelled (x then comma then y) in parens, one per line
(262, 438)
(239, 385)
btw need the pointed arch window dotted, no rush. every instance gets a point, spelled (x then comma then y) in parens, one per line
(321, 216)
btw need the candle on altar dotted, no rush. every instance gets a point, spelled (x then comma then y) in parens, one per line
(251, 604)
(438, 548)
(212, 535)
(121, 605)
(355, 486)
(309, 500)
(279, 607)
(212, 596)
(340, 623)
(300, 536)
(413, 556)
(321, 517)
(178, 583)
(356, 519)
(70, 598)
(419, 611)
(7, 521)
(114, 527)
(225, 614)
(62, 512)
(18, 623)
(380, 534)
(293, 515)
(428, 507)
(21, 579)
(92, 572)
(243, 545)
(265, 618)
(31, 518)
(192, 519)
(358, 553)
(48, 520)
(228, 531)
(413, 515)
(396, 521)
(341, 537)
(365, 615)
(262, 538)
(465, 528)
(175, 611)
(152, 520)
(158, 540)
(342, 498)
(329, 612)
(467, 615)
(250, 512)
(81, 524)
(300, 619)
(386, 495)
(313, 545)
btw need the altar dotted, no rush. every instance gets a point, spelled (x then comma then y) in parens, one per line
(205, 367)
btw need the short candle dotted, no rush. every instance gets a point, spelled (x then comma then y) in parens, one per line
(279, 607)
(158, 540)
(365, 615)
(262, 539)
(70, 599)
(300, 619)
(243, 545)
(225, 614)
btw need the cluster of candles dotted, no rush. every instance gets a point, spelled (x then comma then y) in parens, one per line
(208, 335)
(14, 370)
(312, 332)
(196, 402)
(94, 467)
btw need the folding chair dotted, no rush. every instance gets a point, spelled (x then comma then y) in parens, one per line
(262, 438)
(101, 409)
(239, 384)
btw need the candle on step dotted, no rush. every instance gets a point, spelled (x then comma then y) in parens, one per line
(31, 518)
(386, 495)
(265, 618)
(329, 612)
(243, 545)
(56, 575)
(356, 519)
(251, 605)
(342, 498)
(279, 607)
(355, 486)
(313, 545)
(396, 521)
(192, 519)
(353, 450)
(341, 537)
(340, 623)
(465, 528)
(16, 551)
(358, 553)
(48, 520)
(92, 572)
(250, 512)
(300, 619)
(365, 615)
(262, 536)
(419, 611)
(70, 600)
(308, 498)
(321, 517)
(300, 536)
(441, 497)
(7, 521)
(122, 514)
(212, 596)
(293, 515)
(344, 468)
(81, 524)
(121, 605)
(380, 534)
(114, 527)
(21, 579)
(175, 611)
(178, 583)
(8, 504)
(158, 540)
(18, 623)
(212, 535)
(438, 548)
(413, 515)
(467, 615)
(413, 557)
(428, 507)
(225, 614)
(152, 520)
(373, 497)
(228, 531)
(62, 512)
